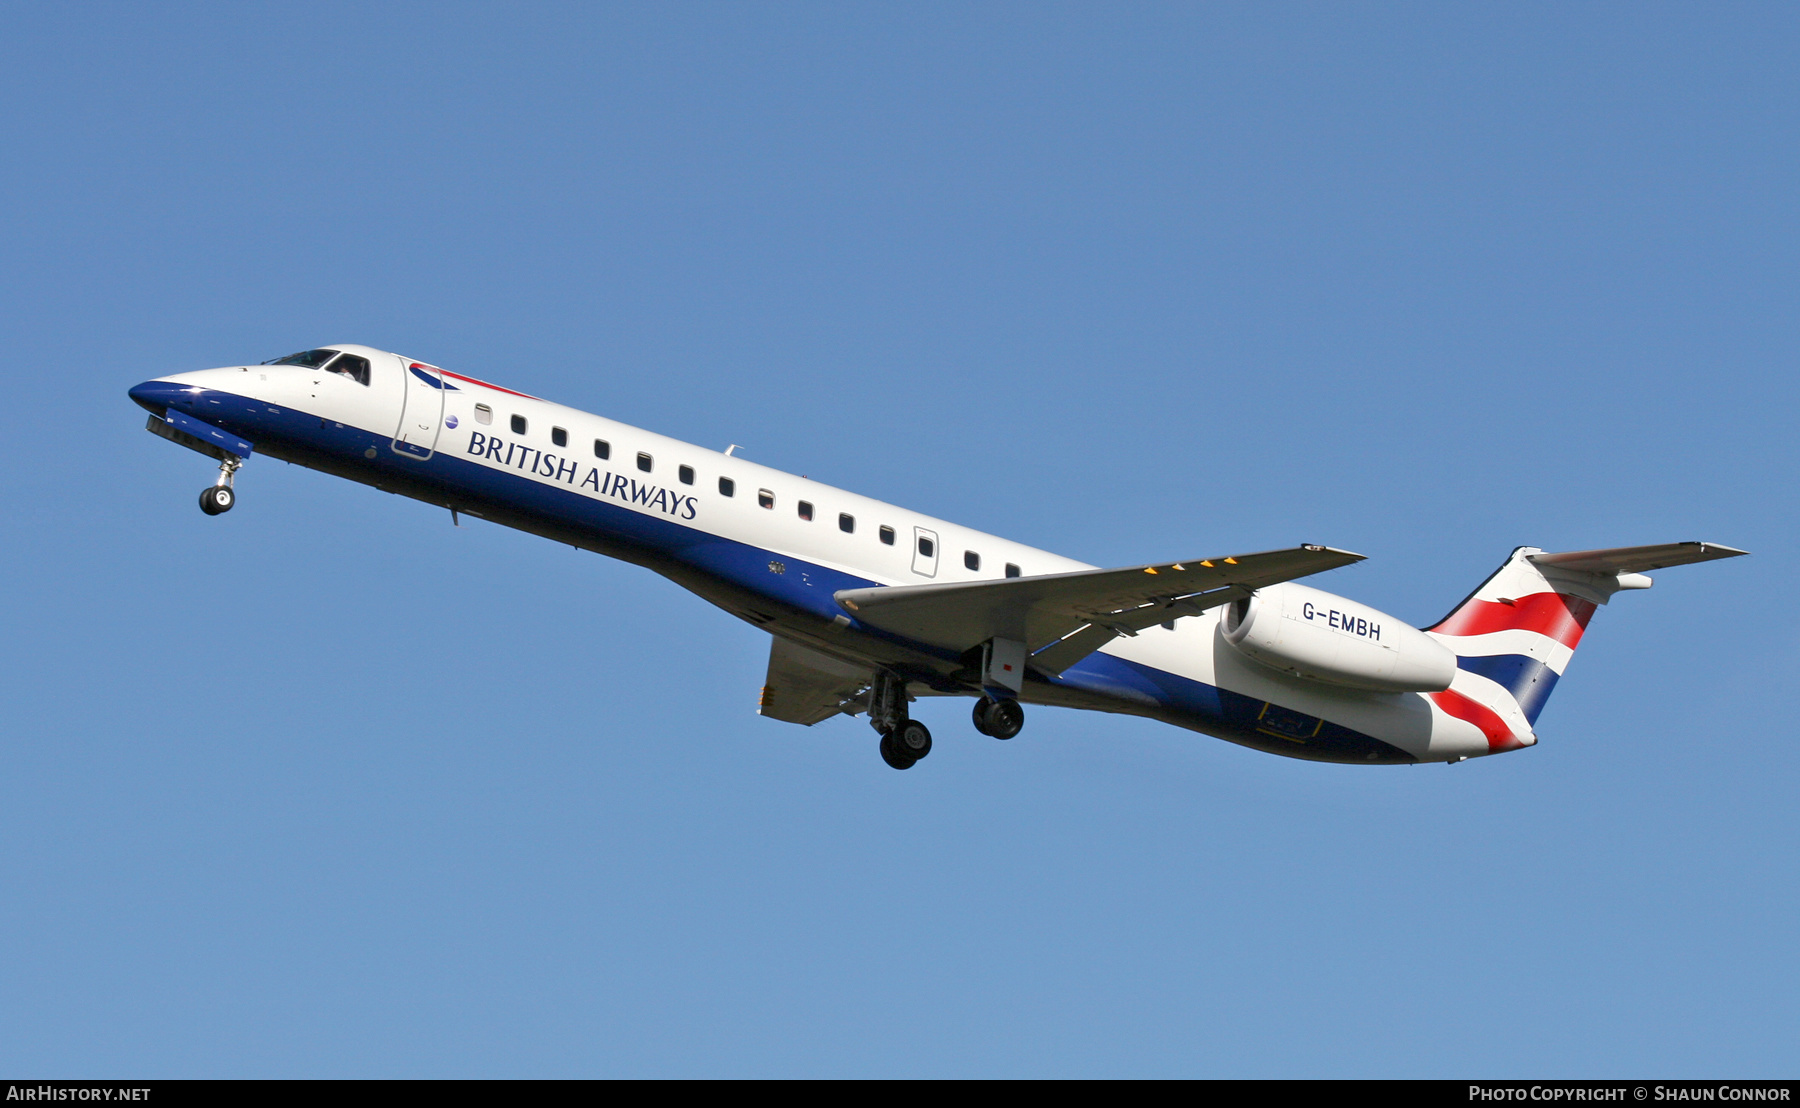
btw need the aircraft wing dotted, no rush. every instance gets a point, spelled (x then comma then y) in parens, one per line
(1636, 559)
(1063, 617)
(805, 686)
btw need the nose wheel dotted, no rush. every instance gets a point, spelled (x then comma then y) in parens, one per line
(218, 498)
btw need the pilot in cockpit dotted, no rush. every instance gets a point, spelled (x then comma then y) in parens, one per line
(332, 361)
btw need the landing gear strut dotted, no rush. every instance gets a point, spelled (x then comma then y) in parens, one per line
(903, 740)
(218, 497)
(1001, 719)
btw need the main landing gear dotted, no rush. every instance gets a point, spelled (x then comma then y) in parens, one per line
(218, 497)
(905, 744)
(1000, 719)
(903, 740)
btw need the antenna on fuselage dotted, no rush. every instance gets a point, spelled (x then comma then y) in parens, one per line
(730, 448)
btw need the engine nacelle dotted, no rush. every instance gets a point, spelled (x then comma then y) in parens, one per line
(1313, 634)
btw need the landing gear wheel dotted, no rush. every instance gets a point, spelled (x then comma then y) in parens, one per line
(979, 716)
(911, 740)
(216, 499)
(892, 756)
(1000, 719)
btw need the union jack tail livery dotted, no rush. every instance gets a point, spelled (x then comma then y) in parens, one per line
(1513, 636)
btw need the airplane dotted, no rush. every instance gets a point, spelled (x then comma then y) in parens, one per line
(870, 606)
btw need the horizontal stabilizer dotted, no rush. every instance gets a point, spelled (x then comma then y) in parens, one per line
(1074, 614)
(1636, 559)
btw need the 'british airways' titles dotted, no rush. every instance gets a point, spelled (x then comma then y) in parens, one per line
(600, 481)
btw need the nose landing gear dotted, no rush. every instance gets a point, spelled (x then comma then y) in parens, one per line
(216, 499)
(219, 497)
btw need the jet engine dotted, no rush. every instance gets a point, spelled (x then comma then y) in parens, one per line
(1316, 635)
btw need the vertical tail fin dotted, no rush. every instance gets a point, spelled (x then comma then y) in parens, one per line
(1518, 630)
(1516, 633)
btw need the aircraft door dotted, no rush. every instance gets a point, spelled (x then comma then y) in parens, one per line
(421, 410)
(925, 552)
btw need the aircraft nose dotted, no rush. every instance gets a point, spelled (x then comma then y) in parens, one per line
(157, 396)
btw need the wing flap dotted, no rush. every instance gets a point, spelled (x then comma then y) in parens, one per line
(804, 686)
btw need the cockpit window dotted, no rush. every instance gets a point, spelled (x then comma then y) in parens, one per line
(311, 359)
(351, 366)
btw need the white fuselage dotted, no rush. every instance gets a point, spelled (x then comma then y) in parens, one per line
(669, 511)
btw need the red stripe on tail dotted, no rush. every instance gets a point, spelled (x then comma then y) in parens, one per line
(1499, 735)
(1558, 615)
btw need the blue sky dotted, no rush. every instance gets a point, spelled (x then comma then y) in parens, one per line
(327, 787)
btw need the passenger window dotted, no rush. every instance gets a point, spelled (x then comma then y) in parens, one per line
(1012, 570)
(484, 414)
(927, 548)
(765, 498)
(353, 367)
(559, 436)
(846, 523)
(602, 448)
(644, 461)
(887, 536)
(971, 560)
(686, 473)
(727, 487)
(806, 509)
(518, 424)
